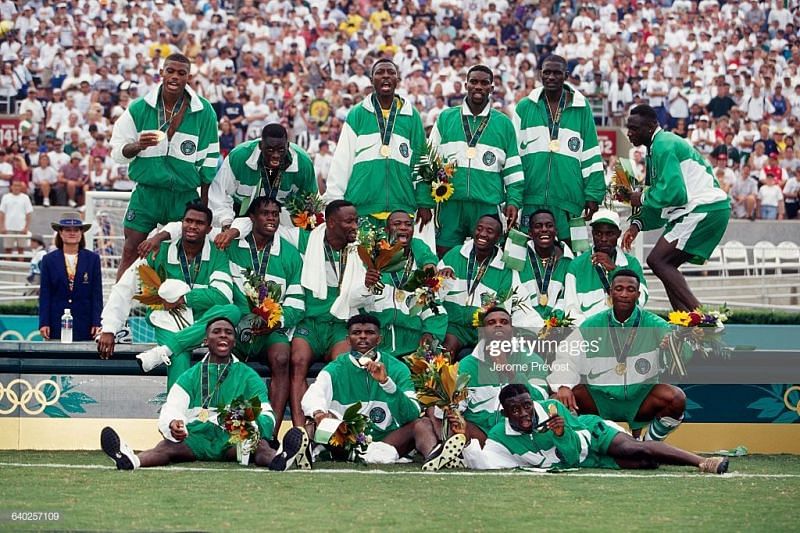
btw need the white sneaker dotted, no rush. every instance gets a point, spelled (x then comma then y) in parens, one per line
(118, 450)
(445, 453)
(72, 203)
(46, 202)
(154, 357)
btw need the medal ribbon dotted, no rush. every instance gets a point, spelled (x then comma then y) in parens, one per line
(187, 272)
(399, 282)
(621, 353)
(162, 112)
(472, 138)
(204, 382)
(258, 266)
(472, 285)
(553, 122)
(342, 262)
(603, 278)
(541, 284)
(385, 126)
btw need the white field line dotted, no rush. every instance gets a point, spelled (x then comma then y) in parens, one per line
(504, 473)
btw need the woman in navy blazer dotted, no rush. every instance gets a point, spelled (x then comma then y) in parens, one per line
(71, 279)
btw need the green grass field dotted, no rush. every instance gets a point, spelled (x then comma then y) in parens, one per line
(761, 493)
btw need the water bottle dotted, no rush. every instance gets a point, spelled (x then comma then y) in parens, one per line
(66, 326)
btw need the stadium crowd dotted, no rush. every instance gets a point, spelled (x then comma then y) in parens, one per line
(722, 74)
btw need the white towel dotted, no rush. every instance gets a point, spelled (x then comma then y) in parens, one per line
(353, 293)
(427, 234)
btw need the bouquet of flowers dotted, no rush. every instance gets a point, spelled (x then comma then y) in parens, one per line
(351, 439)
(264, 298)
(424, 284)
(436, 379)
(490, 299)
(623, 181)
(705, 337)
(149, 287)
(555, 320)
(378, 251)
(306, 209)
(239, 420)
(434, 170)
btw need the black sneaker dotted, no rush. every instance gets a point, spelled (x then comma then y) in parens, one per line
(295, 443)
(444, 453)
(118, 450)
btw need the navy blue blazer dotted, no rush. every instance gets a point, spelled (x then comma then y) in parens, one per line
(85, 301)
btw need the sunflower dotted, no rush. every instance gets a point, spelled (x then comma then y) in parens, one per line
(270, 311)
(476, 318)
(679, 318)
(441, 191)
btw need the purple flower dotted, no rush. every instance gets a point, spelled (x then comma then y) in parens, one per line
(709, 319)
(361, 438)
(262, 292)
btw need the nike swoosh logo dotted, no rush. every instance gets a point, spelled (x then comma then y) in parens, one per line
(362, 150)
(593, 376)
(585, 308)
(524, 145)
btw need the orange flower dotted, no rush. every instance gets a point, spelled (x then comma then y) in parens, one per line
(384, 245)
(270, 311)
(449, 169)
(300, 220)
(439, 361)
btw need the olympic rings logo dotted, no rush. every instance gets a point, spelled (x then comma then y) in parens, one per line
(23, 400)
(789, 406)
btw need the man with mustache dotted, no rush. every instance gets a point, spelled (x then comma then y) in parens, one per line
(168, 139)
(483, 143)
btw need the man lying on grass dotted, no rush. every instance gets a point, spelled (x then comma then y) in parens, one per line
(188, 419)
(545, 434)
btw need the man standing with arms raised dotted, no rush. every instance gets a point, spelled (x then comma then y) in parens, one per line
(381, 142)
(169, 141)
(483, 143)
(558, 146)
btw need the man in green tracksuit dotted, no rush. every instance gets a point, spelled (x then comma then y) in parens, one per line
(168, 139)
(541, 281)
(401, 330)
(383, 386)
(478, 275)
(270, 166)
(262, 251)
(545, 435)
(381, 142)
(587, 285)
(682, 194)
(192, 259)
(558, 146)
(483, 143)
(490, 366)
(616, 374)
(188, 420)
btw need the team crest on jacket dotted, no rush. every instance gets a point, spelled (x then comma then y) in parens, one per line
(574, 144)
(642, 366)
(130, 215)
(188, 147)
(404, 149)
(246, 335)
(489, 158)
(377, 415)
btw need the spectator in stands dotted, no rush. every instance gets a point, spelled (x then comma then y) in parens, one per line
(791, 196)
(722, 103)
(6, 172)
(772, 168)
(71, 279)
(702, 137)
(44, 178)
(38, 251)
(72, 182)
(743, 195)
(770, 200)
(15, 217)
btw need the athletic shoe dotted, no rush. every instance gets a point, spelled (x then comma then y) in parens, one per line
(444, 453)
(154, 357)
(72, 203)
(118, 450)
(305, 460)
(458, 462)
(46, 202)
(714, 465)
(295, 443)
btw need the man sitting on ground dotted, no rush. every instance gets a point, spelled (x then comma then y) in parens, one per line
(188, 419)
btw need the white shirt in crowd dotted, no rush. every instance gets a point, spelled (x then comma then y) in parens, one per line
(16, 207)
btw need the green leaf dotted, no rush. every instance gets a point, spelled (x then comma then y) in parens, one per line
(352, 411)
(55, 412)
(788, 417)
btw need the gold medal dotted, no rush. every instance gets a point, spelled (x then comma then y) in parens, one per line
(399, 296)
(385, 152)
(202, 416)
(554, 145)
(543, 299)
(620, 369)
(471, 152)
(609, 302)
